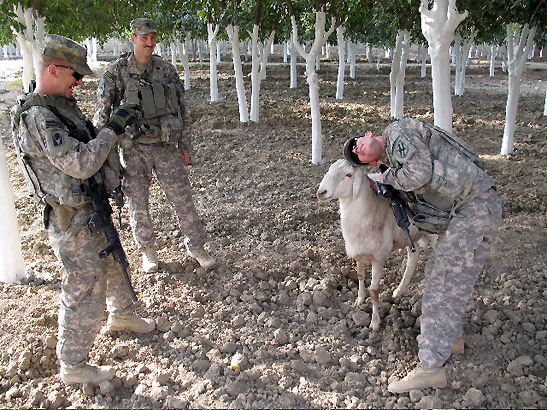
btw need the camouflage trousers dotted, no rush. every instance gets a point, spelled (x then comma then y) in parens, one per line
(88, 284)
(139, 164)
(451, 274)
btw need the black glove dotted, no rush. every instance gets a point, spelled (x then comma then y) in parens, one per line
(125, 115)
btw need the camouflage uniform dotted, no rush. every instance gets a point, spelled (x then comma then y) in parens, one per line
(412, 149)
(56, 164)
(168, 132)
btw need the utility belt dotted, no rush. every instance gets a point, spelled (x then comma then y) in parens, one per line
(428, 218)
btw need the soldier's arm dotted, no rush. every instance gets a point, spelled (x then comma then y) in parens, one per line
(415, 167)
(71, 156)
(108, 97)
(185, 141)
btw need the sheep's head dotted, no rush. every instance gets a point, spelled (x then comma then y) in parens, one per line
(341, 181)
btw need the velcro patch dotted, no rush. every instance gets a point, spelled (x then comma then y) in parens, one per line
(109, 77)
(403, 149)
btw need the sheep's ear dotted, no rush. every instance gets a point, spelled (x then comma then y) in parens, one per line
(357, 182)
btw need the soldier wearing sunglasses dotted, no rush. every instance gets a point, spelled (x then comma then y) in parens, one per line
(59, 153)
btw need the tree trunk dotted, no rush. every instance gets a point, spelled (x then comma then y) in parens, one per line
(233, 35)
(397, 76)
(12, 267)
(183, 54)
(213, 77)
(438, 26)
(321, 37)
(294, 57)
(341, 63)
(255, 76)
(516, 62)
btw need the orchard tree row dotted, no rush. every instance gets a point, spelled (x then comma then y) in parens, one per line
(400, 23)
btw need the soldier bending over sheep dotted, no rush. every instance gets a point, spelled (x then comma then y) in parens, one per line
(450, 195)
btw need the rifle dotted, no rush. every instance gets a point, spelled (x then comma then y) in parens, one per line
(399, 207)
(101, 218)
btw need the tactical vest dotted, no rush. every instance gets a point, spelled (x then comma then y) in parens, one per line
(159, 100)
(48, 186)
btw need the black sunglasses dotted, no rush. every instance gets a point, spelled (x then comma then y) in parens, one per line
(75, 74)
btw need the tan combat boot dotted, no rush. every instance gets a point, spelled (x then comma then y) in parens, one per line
(149, 260)
(420, 378)
(205, 260)
(87, 373)
(458, 347)
(129, 321)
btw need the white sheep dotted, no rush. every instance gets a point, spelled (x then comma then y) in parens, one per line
(369, 229)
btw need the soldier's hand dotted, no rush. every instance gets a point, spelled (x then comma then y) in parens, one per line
(125, 115)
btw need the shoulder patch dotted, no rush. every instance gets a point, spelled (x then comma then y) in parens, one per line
(57, 141)
(402, 149)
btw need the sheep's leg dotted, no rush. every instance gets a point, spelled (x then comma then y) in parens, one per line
(361, 277)
(411, 262)
(374, 291)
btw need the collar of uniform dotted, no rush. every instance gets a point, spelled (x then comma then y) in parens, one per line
(133, 67)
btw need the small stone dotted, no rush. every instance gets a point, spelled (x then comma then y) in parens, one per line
(88, 389)
(360, 318)
(56, 399)
(161, 377)
(430, 402)
(474, 398)
(321, 297)
(515, 369)
(525, 360)
(106, 387)
(163, 325)
(34, 398)
(238, 320)
(280, 336)
(51, 342)
(235, 388)
(119, 351)
(491, 316)
(173, 402)
(416, 395)
(322, 356)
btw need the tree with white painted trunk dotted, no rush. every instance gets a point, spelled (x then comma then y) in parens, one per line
(29, 33)
(461, 50)
(397, 75)
(438, 26)
(233, 35)
(321, 37)
(212, 30)
(341, 62)
(12, 267)
(183, 51)
(519, 42)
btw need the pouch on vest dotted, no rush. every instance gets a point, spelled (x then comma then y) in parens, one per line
(429, 219)
(147, 101)
(171, 129)
(63, 214)
(159, 98)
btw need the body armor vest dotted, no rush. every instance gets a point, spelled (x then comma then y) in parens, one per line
(159, 101)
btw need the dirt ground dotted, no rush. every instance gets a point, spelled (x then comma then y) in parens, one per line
(282, 296)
